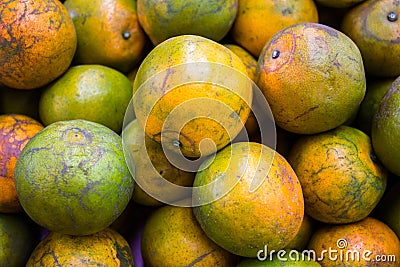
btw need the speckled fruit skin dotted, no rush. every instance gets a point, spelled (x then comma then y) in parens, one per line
(312, 76)
(244, 221)
(164, 19)
(172, 237)
(37, 40)
(72, 178)
(17, 239)
(385, 129)
(341, 179)
(15, 131)
(369, 238)
(193, 101)
(104, 248)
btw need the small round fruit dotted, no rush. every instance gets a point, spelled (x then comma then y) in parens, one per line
(164, 19)
(103, 248)
(15, 131)
(90, 92)
(368, 242)
(342, 181)
(172, 237)
(374, 27)
(17, 239)
(247, 197)
(312, 76)
(385, 129)
(38, 42)
(108, 33)
(72, 177)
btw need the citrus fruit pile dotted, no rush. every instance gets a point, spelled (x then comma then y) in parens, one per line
(199, 133)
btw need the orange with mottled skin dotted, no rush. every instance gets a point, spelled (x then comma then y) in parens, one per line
(368, 242)
(37, 40)
(195, 77)
(341, 179)
(253, 198)
(374, 26)
(15, 131)
(108, 33)
(172, 237)
(258, 20)
(312, 76)
(104, 248)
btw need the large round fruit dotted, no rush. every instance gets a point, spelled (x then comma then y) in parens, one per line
(38, 42)
(248, 197)
(72, 177)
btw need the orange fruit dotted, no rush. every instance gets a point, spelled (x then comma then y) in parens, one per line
(164, 19)
(247, 197)
(91, 92)
(368, 242)
(341, 179)
(385, 128)
(172, 237)
(258, 20)
(17, 239)
(38, 42)
(15, 131)
(151, 165)
(374, 27)
(108, 33)
(376, 89)
(103, 248)
(72, 177)
(312, 76)
(178, 87)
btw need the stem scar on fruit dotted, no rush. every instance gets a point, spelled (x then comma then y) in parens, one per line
(392, 16)
(126, 35)
(275, 54)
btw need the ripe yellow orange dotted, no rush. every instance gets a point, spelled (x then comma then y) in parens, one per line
(38, 42)
(258, 20)
(341, 179)
(103, 248)
(108, 33)
(368, 242)
(248, 197)
(312, 76)
(179, 86)
(15, 131)
(172, 237)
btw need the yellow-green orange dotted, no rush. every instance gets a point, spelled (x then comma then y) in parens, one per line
(103, 248)
(91, 92)
(108, 33)
(38, 42)
(15, 131)
(248, 59)
(164, 19)
(17, 239)
(376, 89)
(150, 165)
(373, 25)
(72, 177)
(368, 242)
(312, 75)
(385, 131)
(195, 77)
(342, 181)
(172, 237)
(252, 199)
(258, 20)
